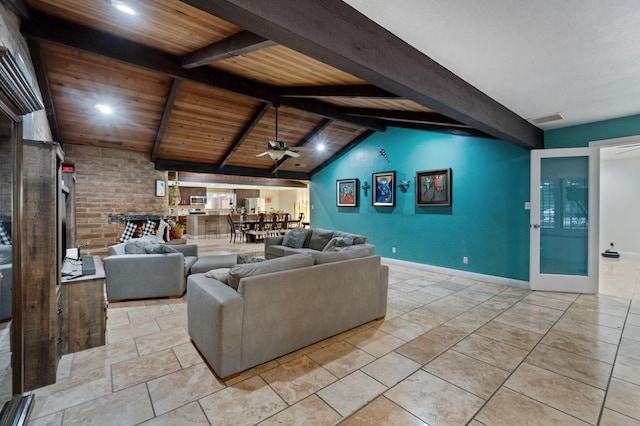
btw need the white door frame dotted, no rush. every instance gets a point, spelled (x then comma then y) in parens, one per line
(566, 283)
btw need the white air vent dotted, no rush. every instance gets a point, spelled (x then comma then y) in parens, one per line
(547, 118)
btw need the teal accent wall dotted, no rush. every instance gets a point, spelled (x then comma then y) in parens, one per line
(581, 135)
(487, 221)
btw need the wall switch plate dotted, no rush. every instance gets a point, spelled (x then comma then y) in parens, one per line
(393, 249)
(527, 205)
(465, 260)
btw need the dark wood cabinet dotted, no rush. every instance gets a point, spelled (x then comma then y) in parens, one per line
(83, 311)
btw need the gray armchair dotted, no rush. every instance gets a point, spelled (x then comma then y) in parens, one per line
(146, 276)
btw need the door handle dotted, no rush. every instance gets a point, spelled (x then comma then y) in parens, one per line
(535, 225)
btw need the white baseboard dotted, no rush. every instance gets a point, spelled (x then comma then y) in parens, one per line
(457, 273)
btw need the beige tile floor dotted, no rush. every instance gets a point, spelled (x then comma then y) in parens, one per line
(451, 351)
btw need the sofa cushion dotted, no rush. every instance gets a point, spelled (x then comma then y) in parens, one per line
(351, 252)
(319, 239)
(274, 265)
(189, 261)
(243, 258)
(136, 245)
(295, 238)
(220, 274)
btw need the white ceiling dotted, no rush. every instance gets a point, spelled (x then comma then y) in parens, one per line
(580, 58)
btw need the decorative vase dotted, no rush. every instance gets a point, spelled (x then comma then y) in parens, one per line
(177, 232)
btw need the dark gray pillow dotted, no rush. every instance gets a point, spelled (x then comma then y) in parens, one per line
(295, 238)
(319, 239)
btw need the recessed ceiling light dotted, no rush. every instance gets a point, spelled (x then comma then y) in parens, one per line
(123, 7)
(105, 109)
(320, 147)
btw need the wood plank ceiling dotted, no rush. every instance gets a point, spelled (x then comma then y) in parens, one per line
(196, 92)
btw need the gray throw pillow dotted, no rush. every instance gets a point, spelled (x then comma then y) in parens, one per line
(243, 258)
(350, 252)
(295, 238)
(137, 245)
(285, 263)
(158, 249)
(220, 274)
(319, 239)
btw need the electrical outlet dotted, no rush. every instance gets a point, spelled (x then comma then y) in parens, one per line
(465, 260)
(393, 249)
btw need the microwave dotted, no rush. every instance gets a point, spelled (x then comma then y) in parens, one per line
(198, 199)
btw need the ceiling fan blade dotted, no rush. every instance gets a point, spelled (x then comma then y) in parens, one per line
(292, 154)
(263, 154)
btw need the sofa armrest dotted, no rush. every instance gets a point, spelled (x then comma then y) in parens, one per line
(142, 276)
(215, 317)
(272, 241)
(187, 249)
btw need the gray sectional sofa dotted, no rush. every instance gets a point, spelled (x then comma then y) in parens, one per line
(271, 308)
(296, 241)
(132, 273)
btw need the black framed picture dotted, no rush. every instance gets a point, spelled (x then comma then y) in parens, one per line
(347, 192)
(384, 189)
(433, 187)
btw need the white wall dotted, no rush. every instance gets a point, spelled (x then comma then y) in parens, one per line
(620, 204)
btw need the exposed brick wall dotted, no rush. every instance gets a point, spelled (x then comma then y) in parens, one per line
(110, 181)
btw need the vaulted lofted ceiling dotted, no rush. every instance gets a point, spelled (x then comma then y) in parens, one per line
(193, 83)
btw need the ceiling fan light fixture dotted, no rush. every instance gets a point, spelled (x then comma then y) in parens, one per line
(104, 109)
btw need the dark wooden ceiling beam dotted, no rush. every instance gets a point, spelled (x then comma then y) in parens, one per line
(359, 46)
(164, 121)
(258, 114)
(45, 89)
(236, 45)
(348, 147)
(412, 116)
(344, 91)
(440, 128)
(305, 141)
(55, 30)
(194, 167)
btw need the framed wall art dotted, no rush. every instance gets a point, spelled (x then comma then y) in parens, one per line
(347, 192)
(384, 189)
(160, 188)
(433, 187)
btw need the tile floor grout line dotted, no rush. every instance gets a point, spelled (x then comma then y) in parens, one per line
(522, 362)
(615, 359)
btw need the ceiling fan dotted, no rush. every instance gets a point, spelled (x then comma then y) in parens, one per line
(277, 149)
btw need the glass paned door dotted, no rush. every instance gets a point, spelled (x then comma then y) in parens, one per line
(564, 220)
